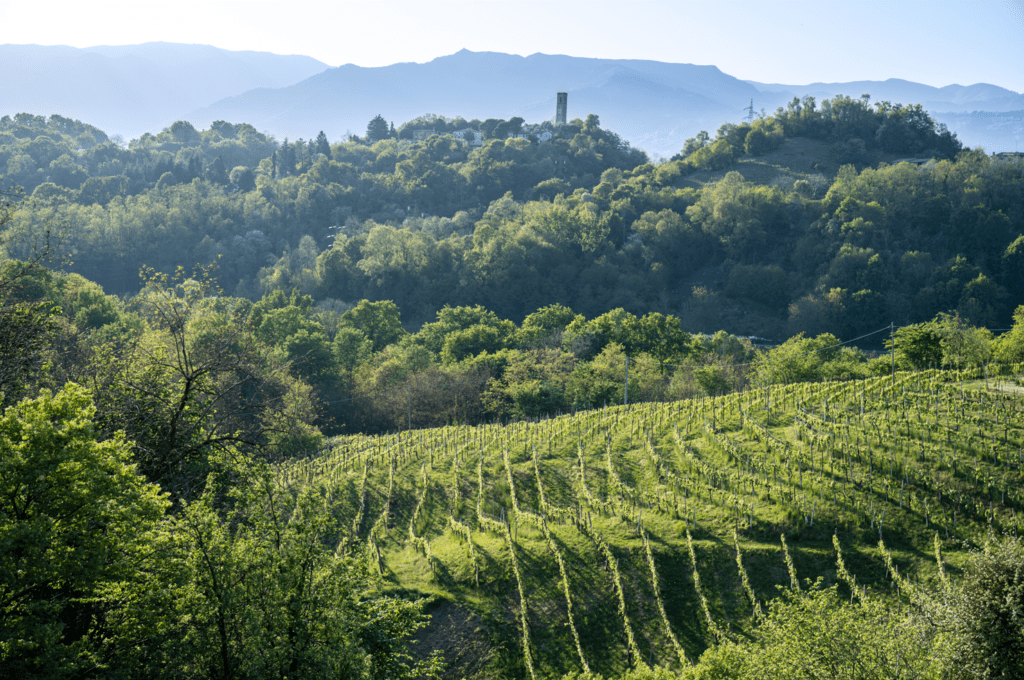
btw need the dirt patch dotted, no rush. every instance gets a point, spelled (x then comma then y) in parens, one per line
(460, 636)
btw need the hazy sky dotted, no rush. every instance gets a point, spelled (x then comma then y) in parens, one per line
(939, 42)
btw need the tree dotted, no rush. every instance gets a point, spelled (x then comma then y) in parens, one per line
(350, 348)
(322, 145)
(379, 322)
(75, 518)
(462, 343)
(1013, 268)
(663, 338)
(197, 384)
(451, 319)
(694, 144)
(617, 326)
(546, 325)
(815, 634)
(286, 158)
(250, 585)
(985, 616)
(1009, 347)
(216, 172)
(27, 321)
(243, 178)
(377, 129)
(184, 133)
(918, 346)
(311, 359)
(533, 383)
(962, 345)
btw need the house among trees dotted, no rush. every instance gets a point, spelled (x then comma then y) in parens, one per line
(469, 135)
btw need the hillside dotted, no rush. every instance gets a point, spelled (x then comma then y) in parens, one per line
(570, 536)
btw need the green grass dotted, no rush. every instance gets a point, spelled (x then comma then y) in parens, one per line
(713, 467)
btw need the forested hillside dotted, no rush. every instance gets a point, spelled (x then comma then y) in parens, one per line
(220, 354)
(812, 235)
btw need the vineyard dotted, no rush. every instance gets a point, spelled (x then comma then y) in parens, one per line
(642, 533)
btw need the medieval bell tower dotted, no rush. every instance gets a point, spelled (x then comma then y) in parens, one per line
(561, 108)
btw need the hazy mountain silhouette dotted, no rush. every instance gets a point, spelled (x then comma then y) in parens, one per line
(654, 105)
(644, 101)
(951, 98)
(131, 89)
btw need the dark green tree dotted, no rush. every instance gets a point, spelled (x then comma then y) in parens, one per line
(377, 129)
(322, 145)
(286, 159)
(216, 172)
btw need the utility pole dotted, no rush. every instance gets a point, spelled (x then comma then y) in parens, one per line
(626, 400)
(408, 394)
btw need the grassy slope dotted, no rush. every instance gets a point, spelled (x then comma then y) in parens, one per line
(704, 466)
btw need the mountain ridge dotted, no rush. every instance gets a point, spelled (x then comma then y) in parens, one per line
(131, 89)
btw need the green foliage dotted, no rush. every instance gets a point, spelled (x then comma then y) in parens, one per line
(801, 359)
(75, 520)
(302, 610)
(814, 633)
(767, 285)
(765, 135)
(546, 325)
(918, 346)
(624, 233)
(534, 383)
(963, 345)
(350, 347)
(1009, 347)
(987, 631)
(451, 320)
(378, 321)
(377, 129)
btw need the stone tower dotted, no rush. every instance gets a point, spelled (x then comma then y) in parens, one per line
(561, 108)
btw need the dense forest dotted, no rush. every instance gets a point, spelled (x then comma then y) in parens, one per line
(187, 317)
(841, 245)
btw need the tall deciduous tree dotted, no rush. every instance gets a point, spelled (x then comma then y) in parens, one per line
(379, 322)
(75, 518)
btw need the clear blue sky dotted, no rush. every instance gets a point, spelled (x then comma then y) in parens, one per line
(939, 42)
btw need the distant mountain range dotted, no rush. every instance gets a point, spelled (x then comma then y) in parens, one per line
(131, 89)
(655, 105)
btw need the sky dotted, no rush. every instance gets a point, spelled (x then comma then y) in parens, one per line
(940, 42)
